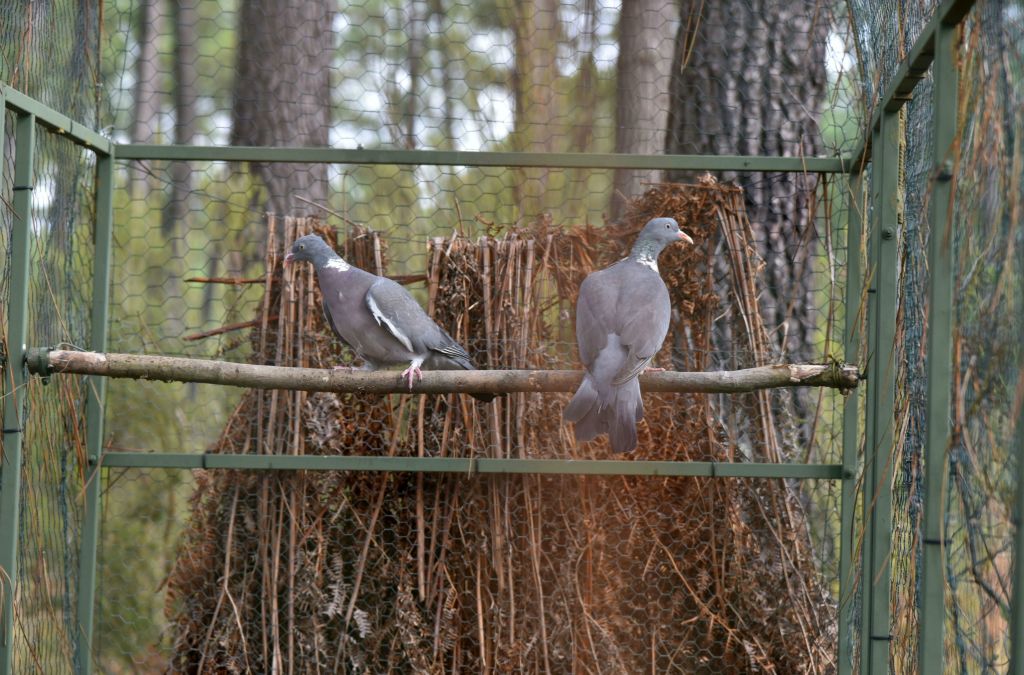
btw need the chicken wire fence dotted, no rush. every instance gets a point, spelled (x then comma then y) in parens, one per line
(232, 569)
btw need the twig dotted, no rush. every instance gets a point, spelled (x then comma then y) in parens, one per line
(225, 280)
(226, 329)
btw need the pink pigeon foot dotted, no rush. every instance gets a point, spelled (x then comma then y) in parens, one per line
(412, 372)
(654, 370)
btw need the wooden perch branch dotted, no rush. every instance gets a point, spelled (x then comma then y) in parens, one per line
(175, 369)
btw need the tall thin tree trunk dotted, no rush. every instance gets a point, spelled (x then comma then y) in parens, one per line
(414, 60)
(282, 92)
(144, 120)
(437, 15)
(185, 19)
(647, 29)
(536, 35)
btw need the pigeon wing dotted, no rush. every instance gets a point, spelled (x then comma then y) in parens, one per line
(394, 309)
(645, 312)
(595, 314)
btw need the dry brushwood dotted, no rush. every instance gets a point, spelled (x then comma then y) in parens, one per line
(349, 572)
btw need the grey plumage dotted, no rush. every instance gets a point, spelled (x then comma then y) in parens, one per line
(622, 316)
(377, 318)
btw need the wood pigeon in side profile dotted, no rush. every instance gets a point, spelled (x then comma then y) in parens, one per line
(622, 316)
(377, 317)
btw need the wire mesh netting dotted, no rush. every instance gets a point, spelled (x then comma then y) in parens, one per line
(216, 569)
(571, 571)
(49, 52)
(59, 294)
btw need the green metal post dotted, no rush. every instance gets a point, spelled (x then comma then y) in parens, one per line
(15, 377)
(868, 478)
(1017, 603)
(851, 443)
(931, 648)
(884, 259)
(94, 408)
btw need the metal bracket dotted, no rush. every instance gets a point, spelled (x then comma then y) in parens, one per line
(38, 362)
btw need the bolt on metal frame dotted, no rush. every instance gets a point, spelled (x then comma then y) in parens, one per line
(881, 148)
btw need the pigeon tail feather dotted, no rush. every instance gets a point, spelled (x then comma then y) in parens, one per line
(584, 411)
(614, 411)
(626, 412)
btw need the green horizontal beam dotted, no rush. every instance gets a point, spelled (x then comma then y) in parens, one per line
(912, 70)
(55, 121)
(183, 460)
(567, 160)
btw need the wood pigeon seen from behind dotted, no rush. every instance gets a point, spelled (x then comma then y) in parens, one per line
(377, 318)
(622, 316)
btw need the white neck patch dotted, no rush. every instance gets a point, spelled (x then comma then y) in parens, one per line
(338, 264)
(648, 261)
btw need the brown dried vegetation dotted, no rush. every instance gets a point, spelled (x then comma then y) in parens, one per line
(368, 572)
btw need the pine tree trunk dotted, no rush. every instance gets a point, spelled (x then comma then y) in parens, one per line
(646, 31)
(749, 78)
(282, 92)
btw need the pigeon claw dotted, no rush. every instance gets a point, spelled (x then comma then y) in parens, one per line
(412, 372)
(650, 369)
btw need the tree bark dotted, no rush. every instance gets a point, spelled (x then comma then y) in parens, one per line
(282, 93)
(749, 78)
(646, 32)
(177, 369)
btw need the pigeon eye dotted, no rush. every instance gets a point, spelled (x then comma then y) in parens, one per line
(302, 246)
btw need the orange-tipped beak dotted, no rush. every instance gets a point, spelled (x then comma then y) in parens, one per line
(685, 237)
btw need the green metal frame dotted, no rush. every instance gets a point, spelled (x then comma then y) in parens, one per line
(31, 113)
(15, 376)
(939, 352)
(54, 121)
(851, 430)
(467, 465)
(565, 160)
(1017, 608)
(881, 394)
(96, 390)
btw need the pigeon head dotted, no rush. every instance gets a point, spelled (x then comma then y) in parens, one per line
(656, 235)
(310, 248)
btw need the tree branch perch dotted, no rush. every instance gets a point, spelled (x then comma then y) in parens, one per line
(175, 369)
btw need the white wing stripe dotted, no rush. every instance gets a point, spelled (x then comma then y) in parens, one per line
(383, 320)
(454, 350)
